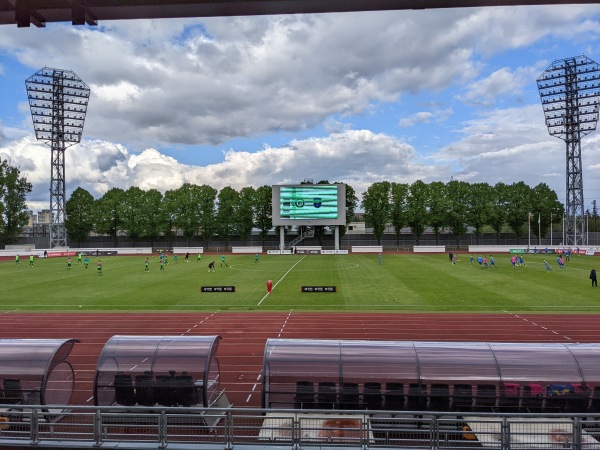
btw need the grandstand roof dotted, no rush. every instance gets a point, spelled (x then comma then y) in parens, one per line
(23, 13)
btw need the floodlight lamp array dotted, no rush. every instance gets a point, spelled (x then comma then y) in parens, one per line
(570, 93)
(58, 100)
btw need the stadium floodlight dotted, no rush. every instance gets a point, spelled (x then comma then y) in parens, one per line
(58, 100)
(570, 94)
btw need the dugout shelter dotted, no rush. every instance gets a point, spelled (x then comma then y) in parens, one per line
(434, 376)
(158, 371)
(36, 371)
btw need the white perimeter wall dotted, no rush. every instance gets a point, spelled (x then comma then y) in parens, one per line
(246, 249)
(185, 250)
(367, 249)
(429, 249)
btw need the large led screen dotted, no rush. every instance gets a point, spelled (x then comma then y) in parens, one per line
(309, 204)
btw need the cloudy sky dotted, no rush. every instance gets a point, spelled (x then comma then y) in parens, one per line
(353, 97)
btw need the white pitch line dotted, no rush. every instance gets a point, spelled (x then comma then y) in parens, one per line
(275, 285)
(248, 399)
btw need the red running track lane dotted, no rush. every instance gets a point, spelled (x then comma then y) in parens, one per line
(244, 335)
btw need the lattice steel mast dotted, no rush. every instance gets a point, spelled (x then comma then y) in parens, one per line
(570, 90)
(58, 101)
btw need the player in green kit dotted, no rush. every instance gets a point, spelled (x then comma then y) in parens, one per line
(16, 260)
(30, 260)
(68, 264)
(199, 260)
(162, 264)
(146, 266)
(99, 267)
(79, 258)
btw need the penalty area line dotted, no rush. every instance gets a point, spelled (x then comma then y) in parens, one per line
(275, 285)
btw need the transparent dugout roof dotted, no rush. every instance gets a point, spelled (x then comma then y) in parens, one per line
(290, 363)
(158, 370)
(36, 371)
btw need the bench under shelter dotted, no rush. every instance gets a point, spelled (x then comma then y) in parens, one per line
(36, 371)
(173, 371)
(431, 376)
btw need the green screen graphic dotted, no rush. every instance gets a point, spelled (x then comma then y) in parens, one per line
(309, 202)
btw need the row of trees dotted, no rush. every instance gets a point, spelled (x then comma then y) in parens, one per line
(458, 205)
(193, 211)
(202, 211)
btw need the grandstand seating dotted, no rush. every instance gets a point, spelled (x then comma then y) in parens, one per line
(349, 396)
(144, 389)
(372, 397)
(124, 390)
(326, 395)
(305, 395)
(439, 397)
(394, 396)
(13, 392)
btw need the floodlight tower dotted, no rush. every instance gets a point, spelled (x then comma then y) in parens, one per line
(58, 101)
(570, 94)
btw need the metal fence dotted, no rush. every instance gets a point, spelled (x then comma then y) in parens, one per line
(175, 428)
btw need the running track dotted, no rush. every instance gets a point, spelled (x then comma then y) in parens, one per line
(244, 334)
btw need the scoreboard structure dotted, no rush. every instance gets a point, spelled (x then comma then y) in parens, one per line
(308, 205)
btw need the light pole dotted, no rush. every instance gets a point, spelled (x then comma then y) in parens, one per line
(58, 100)
(570, 96)
(550, 228)
(529, 228)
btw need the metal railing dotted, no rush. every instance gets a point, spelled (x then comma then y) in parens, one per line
(181, 428)
(303, 235)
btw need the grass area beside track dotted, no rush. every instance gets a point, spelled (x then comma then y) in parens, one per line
(402, 283)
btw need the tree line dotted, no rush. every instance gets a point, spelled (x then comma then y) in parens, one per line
(202, 212)
(457, 206)
(196, 212)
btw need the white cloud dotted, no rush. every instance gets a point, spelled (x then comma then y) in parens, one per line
(346, 80)
(207, 81)
(420, 117)
(501, 83)
(512, 145)
(357, 157)
(505, 145)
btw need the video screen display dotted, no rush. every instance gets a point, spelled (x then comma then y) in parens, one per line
(308, 202)
(303, 204)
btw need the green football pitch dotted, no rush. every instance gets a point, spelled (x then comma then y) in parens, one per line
(403, 283)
